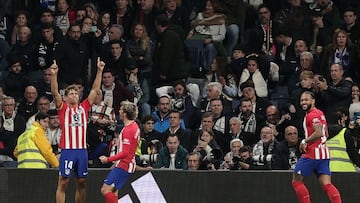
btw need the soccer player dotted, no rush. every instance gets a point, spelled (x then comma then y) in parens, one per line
(315, 157)
(73, 122)
(125, 157)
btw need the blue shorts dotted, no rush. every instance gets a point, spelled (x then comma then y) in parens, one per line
(306, 167)
(73, 160)
(117, 178)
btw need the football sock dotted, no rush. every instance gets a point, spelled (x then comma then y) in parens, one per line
(301, 192)
(332, 193)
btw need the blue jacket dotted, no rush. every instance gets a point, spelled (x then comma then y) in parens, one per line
(161, 125)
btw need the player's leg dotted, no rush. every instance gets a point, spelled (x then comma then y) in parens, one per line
(63, 182)
(303, 168)
(324, 177)
(81, 174)
(109, 195)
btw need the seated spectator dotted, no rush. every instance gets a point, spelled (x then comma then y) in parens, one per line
(7, 146)
(287, 152)
(148, 133)
(209, 26)
(259, 104)
(27, 107)
(193, 161)
(104, 23)
(214, 91)
(264, 150)
(13, 122)
(238, 61)
(53, 132)
(209, 149)
(114, 93)
(221, 120)
(277, 121)
(101, 127)
(173, 155)
(139, 86)
(16, 81)
(184, 135)
(21, 19)
(33, 149)
(177, 14)
(43, 106)
(355, 104)
(218, 73)
(233, 160)
(184, 99)
(161, 114)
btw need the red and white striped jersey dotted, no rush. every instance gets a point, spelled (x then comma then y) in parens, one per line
(126, 147)
(317, 149)
(73, 124)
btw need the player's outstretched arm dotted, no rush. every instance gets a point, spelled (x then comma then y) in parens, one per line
(54, 84)
(97, 82)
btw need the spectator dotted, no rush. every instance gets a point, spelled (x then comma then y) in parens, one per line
(259, 78)
(104, 23)
(221, 120)
(183, 135)
(26, 49)
(101, 127)
(173, 155)
(337, 92)
(15, 83)
(277, 121)
(139, 86)
(33, 149)
(193, 161)
(13, 122)
(146, 14)
(355, 104)
(47, 18)
(46, 47)
(259, 104)
(53, 132)
(161, 114)
(343, 52)
(139, 47)
(214, 91)
(27, 107)
(64, 15)
(209, 27)
(351, 25)
(7, 146)
(218, 73)
(123, 14)
(72, 55)
(149, 134)
(80, 14)
(185, 98)
(170, 63)
(177, 14)
(117, 59)
(246, 126)
(287, 152)
(211, 154)
(343, 154)
(264, 150)
(43, 106)
(21, 20)
(114, 93)
(238, 61)
(233, 160)
(91, 11)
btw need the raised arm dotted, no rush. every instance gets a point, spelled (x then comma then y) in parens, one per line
(54, 85)
(97, 82)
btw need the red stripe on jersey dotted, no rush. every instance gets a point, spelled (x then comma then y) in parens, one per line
(73, 123)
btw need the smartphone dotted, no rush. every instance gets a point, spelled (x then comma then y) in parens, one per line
(93, 29)
(356, 116)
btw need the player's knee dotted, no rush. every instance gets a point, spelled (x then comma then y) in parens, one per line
(81, 183)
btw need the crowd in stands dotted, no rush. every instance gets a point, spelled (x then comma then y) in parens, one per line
(217, 82)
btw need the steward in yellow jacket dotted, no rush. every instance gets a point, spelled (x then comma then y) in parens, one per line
(33, 150)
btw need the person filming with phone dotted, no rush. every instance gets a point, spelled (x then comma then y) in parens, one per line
(336, 92)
